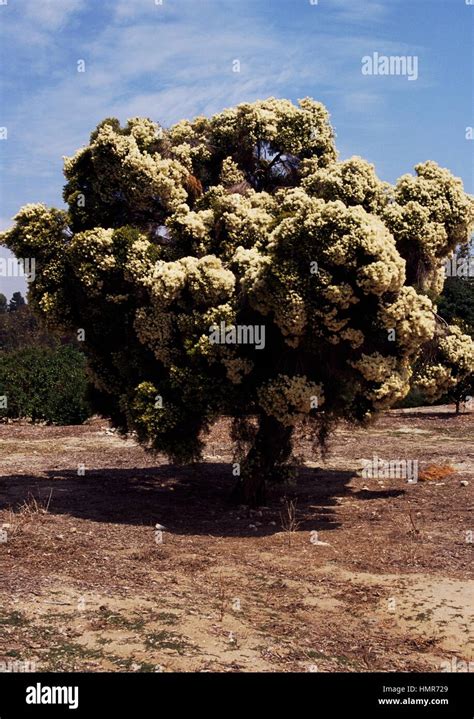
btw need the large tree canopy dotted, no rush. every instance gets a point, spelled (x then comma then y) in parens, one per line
(245, 220)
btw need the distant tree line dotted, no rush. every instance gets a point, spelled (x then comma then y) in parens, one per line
(17, 300)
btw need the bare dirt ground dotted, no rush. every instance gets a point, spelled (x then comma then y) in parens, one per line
(376, 577)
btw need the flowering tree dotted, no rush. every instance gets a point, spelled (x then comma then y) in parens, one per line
(233, 266)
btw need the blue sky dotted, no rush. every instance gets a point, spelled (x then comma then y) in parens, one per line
(173, 60)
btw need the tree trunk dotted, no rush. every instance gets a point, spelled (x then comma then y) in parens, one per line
(272, 447)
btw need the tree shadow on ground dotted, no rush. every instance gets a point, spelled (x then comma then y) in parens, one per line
(416, 414)
(186, 500)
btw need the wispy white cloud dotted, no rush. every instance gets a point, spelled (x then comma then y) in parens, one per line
(363, 101)
(36, 22)
(359, 11)
(50, 14)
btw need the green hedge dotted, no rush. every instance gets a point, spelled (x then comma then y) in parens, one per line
(42, 383)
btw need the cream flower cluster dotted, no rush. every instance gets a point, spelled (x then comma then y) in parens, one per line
(145, 132)
(294, 129)
(122, 160)
(154, 328)
(92, 255)
(391, 377)
(246, 220)
(430, 215)
(452, 362)
(458, 349)
(442, 194)
(437, 379)
(251, 268)
(375, 367)
(190, 140)
(140, 265)
(237, 368)
(207, 280)
(290, 399)
(353, 181)
(231, 174)
(412, 317)
(334, 237)
(395, 388)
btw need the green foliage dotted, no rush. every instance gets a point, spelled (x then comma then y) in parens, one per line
(16, 302)
(456, 304)
(44, 384)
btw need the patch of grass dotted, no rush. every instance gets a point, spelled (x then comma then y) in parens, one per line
(166, 640)
(14, 619)
(103, 640)
(167, 618)
(129, 665)
(44, 635)
(345, 661)
(313, 654)
(118, 620)
(423, 616)
(66, 655)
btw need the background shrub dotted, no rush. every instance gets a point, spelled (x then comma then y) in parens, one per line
(43, 383)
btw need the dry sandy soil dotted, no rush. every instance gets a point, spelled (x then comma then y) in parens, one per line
(376, 577)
